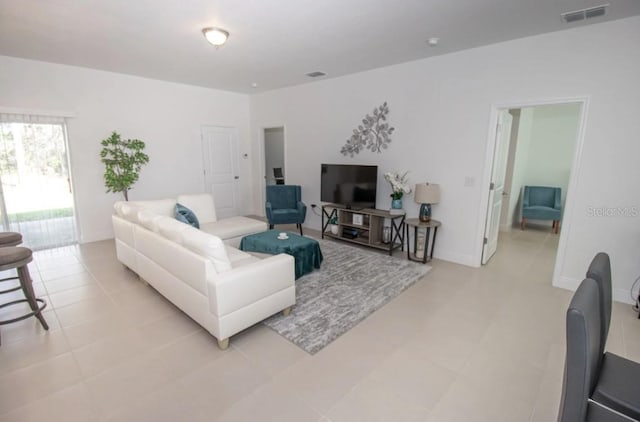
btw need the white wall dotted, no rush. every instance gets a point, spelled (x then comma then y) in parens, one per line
(273, 153)
(520, 162)
(166, 116)
(441, 108)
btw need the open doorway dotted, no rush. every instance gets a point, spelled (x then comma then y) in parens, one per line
(274, 169)
(535, 146)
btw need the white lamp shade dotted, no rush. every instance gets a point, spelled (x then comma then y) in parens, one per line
(215, 36)
(427, 193)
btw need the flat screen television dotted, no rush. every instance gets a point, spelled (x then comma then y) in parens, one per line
(353, 186)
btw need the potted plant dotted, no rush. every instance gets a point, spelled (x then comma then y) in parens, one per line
(333, 224)
(399, 186)
(123, 160)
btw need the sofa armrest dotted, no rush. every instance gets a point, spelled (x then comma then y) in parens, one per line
(245, 285)
(302, 210)
(268, 208)
(558, 199)
(525, 197)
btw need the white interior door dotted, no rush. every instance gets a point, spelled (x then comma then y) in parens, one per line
(219, 152)
(496, 189)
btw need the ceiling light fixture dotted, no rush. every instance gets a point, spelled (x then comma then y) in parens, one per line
(216, 36)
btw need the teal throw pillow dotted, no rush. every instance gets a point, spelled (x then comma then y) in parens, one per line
(185, 215)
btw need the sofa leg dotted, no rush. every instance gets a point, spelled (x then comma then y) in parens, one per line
(300, 227)
(286, 311)
(223, 344)
(270, 226)
(523, 223)
(556, 227)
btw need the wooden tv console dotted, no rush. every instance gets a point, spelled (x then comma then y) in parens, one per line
(364, 227)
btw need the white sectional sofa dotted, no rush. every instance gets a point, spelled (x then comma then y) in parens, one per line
(201, 271)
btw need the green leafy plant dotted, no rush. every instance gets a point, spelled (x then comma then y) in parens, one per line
(333, 219)
(123, 160)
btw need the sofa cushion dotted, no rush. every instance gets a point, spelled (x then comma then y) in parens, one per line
(236, 255)
(171, 228)
(185, 215)
(202, 205)
(246, 261)
(159, 206)
(149, 220)
(117, 207)
(233, 227)
(208, 246)
(130, 212)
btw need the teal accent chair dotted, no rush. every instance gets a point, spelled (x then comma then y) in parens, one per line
(284, 205)
(542, 203)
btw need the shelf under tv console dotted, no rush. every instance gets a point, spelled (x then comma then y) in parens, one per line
(364, 226)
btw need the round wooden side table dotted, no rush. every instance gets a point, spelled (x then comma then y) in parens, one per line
(417, 224)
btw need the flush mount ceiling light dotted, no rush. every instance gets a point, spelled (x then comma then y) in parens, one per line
(216, 36)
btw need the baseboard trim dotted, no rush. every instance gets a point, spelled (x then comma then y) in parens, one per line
(456, 258)
(567, 283)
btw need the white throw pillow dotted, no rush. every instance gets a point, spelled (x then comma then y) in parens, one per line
(208, 246)
(171, 228)
(202, 206)
(149, 220)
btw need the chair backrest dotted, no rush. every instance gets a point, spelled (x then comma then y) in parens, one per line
(283, 196)
(582, 362)
(545, 196)
(277, 172)
(600, 272)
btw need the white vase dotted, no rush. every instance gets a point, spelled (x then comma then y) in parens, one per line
(334, 228)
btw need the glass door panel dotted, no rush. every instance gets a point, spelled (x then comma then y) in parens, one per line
(36, 197)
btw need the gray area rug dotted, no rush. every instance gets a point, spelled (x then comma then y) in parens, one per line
(351, 284)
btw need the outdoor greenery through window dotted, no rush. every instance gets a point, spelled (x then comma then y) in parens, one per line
(35, 196)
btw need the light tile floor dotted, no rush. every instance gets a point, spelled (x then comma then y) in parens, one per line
(462, 344)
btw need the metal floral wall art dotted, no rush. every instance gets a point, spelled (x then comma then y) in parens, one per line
(373, 133)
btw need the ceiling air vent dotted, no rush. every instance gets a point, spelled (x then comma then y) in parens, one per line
(315, 74)
(580, 15)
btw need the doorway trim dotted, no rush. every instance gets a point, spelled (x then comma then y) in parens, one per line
(263, 182)
(573, 178)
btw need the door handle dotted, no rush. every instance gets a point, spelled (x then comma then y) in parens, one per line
(505, 193)
(236, 177)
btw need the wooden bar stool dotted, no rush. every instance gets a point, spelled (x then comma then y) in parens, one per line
(10, 239)
(18, 257)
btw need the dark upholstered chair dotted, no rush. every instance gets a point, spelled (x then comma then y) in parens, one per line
(616, 388)
(597, 386)
(600, 272)
(582, 362)
(542, 203)
(284, 205)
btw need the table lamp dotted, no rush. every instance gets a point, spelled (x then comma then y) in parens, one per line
(426, 194)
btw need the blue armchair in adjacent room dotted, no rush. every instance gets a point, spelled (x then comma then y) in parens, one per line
(284, 205)
(542, 203)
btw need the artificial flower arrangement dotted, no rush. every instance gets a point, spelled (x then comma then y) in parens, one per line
(399, 184)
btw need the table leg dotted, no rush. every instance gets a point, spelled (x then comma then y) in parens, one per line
(406, 236)
(433, 244)
(426, 246)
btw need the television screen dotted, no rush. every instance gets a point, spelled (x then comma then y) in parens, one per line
(353, 186)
